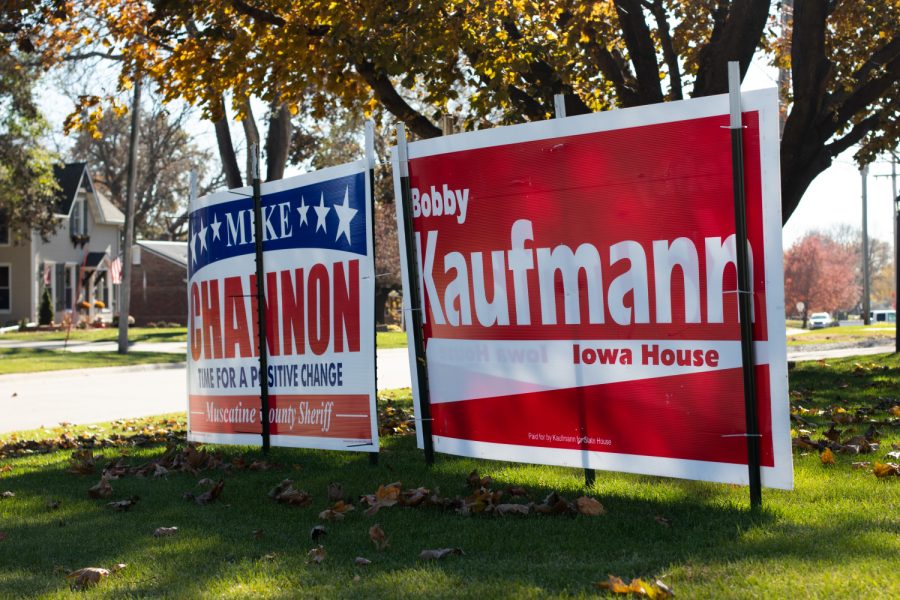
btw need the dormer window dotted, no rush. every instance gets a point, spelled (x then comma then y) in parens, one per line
(78, 222)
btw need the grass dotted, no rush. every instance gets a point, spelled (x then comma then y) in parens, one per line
(107, 334)
(845, 334)
(29, 360)
(835, 535)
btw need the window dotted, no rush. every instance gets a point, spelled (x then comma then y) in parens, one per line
(78, 220)
(4, 229)
(5, 288)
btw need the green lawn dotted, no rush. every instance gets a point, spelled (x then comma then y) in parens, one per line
(837, 535)
(107, 334)
(29, 360)
(850, 333)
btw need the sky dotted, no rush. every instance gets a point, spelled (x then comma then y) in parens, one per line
(833, 198)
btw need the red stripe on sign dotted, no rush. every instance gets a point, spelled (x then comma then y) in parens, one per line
(698, 416)
(329, 416)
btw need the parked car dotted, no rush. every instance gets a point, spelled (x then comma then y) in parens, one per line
(820, 320)
(883, 316)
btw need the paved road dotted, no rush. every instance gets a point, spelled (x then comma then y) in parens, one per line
(32, 400)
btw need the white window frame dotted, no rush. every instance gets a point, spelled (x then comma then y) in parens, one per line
(6, 311)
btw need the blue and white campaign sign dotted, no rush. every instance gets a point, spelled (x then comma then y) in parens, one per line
(319, 295)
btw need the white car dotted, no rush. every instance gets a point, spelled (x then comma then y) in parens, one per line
(820, 320)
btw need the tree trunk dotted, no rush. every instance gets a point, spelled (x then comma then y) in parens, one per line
(226, 149)
(251, 132)
(278, 141)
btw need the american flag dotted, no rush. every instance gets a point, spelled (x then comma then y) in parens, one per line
(115, 270)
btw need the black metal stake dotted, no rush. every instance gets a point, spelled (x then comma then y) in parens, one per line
(370, 155)
(745, 298)
(415, 301)
(260, 301)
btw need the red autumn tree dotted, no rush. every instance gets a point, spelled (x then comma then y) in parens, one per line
(820, 273)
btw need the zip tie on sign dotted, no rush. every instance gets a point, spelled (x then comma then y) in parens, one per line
(759, 435)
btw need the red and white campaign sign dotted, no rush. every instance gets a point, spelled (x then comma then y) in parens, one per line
(579, 282)
(319, 293)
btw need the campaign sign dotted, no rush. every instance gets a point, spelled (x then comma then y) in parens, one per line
(319, 292)
(579, 282)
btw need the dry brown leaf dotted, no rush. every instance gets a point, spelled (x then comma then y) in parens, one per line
(6, 468)
(378, 537)
(336, 512)
(440, 553)
(82, 462)
(7, 494)
(827, 457)
(860, 465)
(211, 495)
(589, 506)
(386, 495)
(665, 522)
(258, 534)
(87, 577)
(895, 410)
(316, 555)
(206, 482)
(511, 509)
(123, 505)
(361, 562)
(294, 497)
(886, 470)
(335, 492)
(656, 590)
(475, 481)
(165, 531)
(102, 490)
(317, 533)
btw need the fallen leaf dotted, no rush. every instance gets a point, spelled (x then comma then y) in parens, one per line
(117, 567)
(361, 562)
(82, 462)
(317, 533)
(102, 490)
(270, 556)
(316, 555)
(7, 494)
(440, 553)
(211, 495)
(663, 521)
(475, 481)
(294, 497)
(336, 512)
(895, 455)
(205, 482)
(860, 465)
(378, 537)
(123, 505)
(386, 495)
(589, 506)
(165, 531)
(511, 509)
(517, 491)
(6, 468)
(335, 492)
(886, 470)
(53, 503)
(258, 534)
(87, 577)
(827, 457)
(638, 587)
(895, 410)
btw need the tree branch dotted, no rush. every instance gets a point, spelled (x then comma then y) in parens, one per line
(859, 131)
(640, 49)
(736, 35)
(226, 147)
(662, 24)
(395, 104)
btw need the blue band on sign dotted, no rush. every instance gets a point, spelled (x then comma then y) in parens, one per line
(329, 215)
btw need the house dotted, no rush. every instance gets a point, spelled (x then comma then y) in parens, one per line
(74, 263)
(159, 282)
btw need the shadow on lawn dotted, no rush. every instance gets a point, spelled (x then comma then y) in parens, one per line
(215, 547)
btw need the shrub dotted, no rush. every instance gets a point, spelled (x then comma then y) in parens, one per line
(45, 314)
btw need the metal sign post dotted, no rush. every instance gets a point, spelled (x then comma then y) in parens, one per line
(745, 297)
(416, 304)
(370, 160)
(559, 106)
(260, 297)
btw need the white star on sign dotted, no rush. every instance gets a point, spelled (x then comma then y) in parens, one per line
(194, 247)
(202, 234)
(303, 209)
(216, 224)
(345, 215)
(321, 213)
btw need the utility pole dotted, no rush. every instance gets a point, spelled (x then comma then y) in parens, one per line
(864, 172)
(125, 286)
